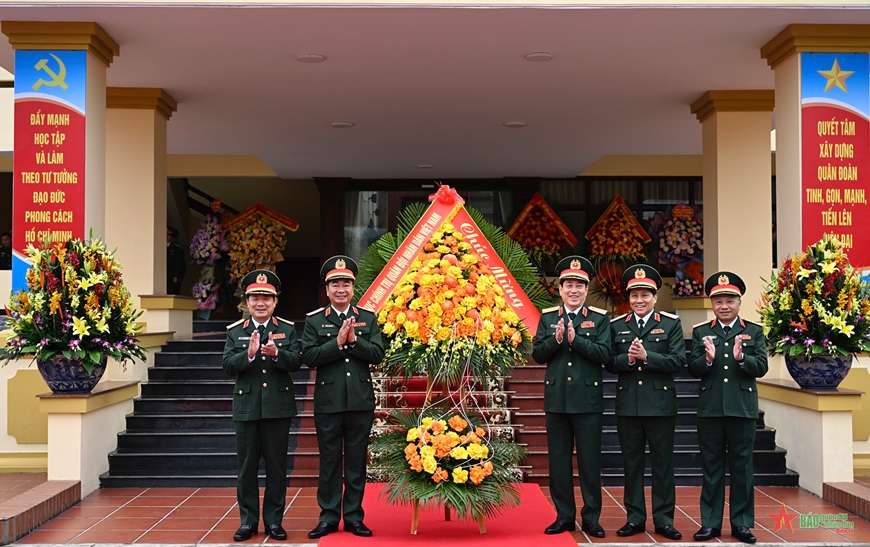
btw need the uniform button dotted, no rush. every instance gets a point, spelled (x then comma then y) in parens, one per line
(750, 389)
(287, 388)
(666, 388)
(657, 339)
(726, 380)
(348, 373)
(726, 367)
(264, 371)
(639, 369)
(347, 360)
(280, 343)
(623, 340)
(640, 383)
(726, 344)
(240, 392)
(359, 333)
(370, 381)
(703, 388)
(547, 382)
(569, 378)
(264, 357)
(265, 384)
(726, 356)
(596, 383)
(244, 345)
(587, 334)
(322, 383)
(620, 388)
(328, 334)
(345, 346)
(569, 364)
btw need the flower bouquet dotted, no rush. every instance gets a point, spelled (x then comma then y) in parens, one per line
(253, 244)
(75, 305)
(816, 304)
(435, 457)
(684, 287)
(208, 242)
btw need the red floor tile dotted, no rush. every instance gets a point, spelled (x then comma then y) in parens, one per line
(212, 501)
(70, 524)
(217, 492)
(295, 524)
(171, 537)
(182, 492)
(156, 501)
(109, 536)
(131, 524)
(202, 511)
(116, 492)
(50, 536)
(802, 535)
(140, 512)
(78, 511)
(220, 536)
(190, 524)
(858, 534)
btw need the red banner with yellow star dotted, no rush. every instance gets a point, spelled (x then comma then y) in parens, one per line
(835, 150)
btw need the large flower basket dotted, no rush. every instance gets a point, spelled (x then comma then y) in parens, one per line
(816, 313)
(64, 375)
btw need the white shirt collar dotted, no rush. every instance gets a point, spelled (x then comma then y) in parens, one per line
(638, 318)
(729, 325)
(577, 311)
(345, 311)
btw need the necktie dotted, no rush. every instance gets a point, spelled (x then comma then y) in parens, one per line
(571, 316)
(727, 330)
(342, 317)
(640, 324)
(262, 330)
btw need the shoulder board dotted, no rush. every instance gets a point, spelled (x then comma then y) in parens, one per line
(702, 323)
(618, 318)
(753, 322)
(360, 311)
(236, 324)
(318, 310)
(597, 310)
(285, 321)
(548, 310)
(671, 315)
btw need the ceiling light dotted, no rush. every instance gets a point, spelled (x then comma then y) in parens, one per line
(341, 125)
(310, 58)
(539, 57)
(425, 166)
(514, 125)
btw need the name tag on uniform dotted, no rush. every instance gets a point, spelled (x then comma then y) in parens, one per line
(745, 337)
(244, 337)
(623, 332)
(278, 336)
(360, 324)
(553, 326)
(657, 331)
(327, 326)
(587, 324)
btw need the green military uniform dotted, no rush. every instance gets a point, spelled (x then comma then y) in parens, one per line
(263, 404)
(727, 408)
(344, 400)
(574, 398)
(646, 403)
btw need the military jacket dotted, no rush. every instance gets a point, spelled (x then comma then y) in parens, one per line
(175, 262)
(263, 387)
(647, 389)
(727, 389)
(573, 381)
(344, 380)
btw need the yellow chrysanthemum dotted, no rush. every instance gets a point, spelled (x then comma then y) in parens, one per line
(429, 464)
(460, 475)
(413, 434)
(459, 453)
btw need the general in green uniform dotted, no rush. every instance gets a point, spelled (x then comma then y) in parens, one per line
(260, 353)
(342, 342)
(728, 354)
(574, 341)
(648, 349)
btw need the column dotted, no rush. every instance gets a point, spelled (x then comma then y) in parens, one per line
(737, 186)
(136, 122)
(800, 90)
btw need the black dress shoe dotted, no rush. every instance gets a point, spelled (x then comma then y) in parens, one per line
(743, 534)
(559, 526)
(244, 532)
(630, 529)
(669, 532)
(357, 528)
(706, 533)
(594, 530)
(276, 532)
(322, 529)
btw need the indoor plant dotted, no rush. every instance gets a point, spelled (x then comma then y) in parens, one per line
(74, 314)
(815, 313)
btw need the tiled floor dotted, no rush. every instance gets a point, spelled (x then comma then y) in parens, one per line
(210, 515)
(13, 484)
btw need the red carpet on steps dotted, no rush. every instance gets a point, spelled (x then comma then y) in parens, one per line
(517, 527)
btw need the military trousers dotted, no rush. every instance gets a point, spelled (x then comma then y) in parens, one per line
(565, 431)
(634, 433)
(736, 436)
(348, 430)
(267, 439)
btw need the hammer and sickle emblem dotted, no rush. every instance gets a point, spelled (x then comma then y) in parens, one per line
(56, 79)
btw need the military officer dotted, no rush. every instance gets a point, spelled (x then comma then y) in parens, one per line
(342, 342)
(175, 262)
(728, 354)
(260, 353)
(648, 349)
(574, 341)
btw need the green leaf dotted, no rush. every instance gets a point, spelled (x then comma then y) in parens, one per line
(67, 353)
(95, 356)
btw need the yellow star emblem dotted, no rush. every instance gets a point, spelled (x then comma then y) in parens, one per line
(836, 77)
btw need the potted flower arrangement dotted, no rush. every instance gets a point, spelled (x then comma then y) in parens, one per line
(435, 457)
(207, 248)
(816, 313)
(74, 314)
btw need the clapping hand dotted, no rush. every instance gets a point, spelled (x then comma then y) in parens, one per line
(636, 351)
(560, 331)
(738, 349)
(270, 348)
(351, 335)
(254, 346)
(710, 349)
(571, 332)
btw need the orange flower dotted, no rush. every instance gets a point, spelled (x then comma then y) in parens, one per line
(410, 451)
(480, 432)
(457, 423)
(416, 464)
(477, 474)
(487, 468)
(440, 475)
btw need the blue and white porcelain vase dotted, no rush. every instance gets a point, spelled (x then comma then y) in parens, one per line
(818, 371)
